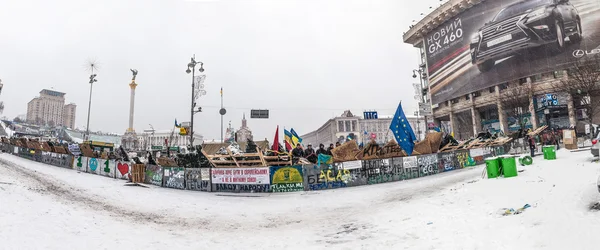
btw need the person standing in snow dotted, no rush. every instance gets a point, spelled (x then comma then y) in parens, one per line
(531, 145)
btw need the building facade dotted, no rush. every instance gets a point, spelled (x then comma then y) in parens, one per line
(348, 126)
(244, 133)
(69, 115)
(160, 139)
(470, 78)
(49, 109)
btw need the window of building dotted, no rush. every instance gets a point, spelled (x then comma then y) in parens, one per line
(347, 123)
(454, 101)
(523, 80)
(467, 97)
(353, 125)
(503, 86)
(340, 126)
(558, 74)
(476, 93)
(536, 78)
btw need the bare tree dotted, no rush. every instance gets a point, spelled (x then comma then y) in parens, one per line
(515, 102)
(583, 83)
(463, 121)
(17, 120)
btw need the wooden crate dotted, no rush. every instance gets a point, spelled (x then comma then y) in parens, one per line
(237, 161)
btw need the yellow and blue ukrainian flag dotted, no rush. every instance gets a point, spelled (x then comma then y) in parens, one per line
(403, 132)
(295, 138)
(288, 139)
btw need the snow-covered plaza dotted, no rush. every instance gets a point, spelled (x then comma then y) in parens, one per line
(46, 207)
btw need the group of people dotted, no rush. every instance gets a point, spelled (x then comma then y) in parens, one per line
(551, 137)
(310, 154)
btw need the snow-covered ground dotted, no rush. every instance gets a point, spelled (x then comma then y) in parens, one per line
(46, 207)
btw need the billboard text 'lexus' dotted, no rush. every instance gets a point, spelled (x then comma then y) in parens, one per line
(523, 25)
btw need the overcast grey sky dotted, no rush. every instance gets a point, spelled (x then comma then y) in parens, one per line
(306, 61)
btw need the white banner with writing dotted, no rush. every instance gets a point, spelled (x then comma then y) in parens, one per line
(240, 175)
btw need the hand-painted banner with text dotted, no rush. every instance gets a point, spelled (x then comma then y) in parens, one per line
(240, 175)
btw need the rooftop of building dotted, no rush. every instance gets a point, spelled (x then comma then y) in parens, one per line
(348, 114)
(52, 93)
(439, 16)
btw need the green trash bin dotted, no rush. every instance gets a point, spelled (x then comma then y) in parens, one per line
(525, 160)
(509, 166)
(551, 153)
(492, 166)
(545, 150)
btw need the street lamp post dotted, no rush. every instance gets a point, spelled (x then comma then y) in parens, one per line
(419, 72)
(191, 68)
(92, 81)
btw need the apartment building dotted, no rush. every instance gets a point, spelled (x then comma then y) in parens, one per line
(49, 109)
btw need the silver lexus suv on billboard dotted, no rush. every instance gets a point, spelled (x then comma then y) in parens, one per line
(523, 25)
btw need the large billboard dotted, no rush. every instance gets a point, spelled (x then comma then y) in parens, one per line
(504, 40)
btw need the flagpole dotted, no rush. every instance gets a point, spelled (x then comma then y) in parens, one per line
(221, 115)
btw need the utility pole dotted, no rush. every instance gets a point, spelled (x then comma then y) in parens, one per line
(92, 81)
(191, 68)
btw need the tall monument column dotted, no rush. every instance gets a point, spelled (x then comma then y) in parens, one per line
(130, 140)
(132, 85)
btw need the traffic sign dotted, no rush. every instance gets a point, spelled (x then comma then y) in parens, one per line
(259, 113)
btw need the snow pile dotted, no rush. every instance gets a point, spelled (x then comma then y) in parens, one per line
(453, 210)
(6, 129)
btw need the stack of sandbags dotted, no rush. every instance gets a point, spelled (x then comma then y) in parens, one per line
(86, 150)
(45, 147)
(15, 142)
(345, 152)
(391, 150)
(60, 149)
(166, 162)
(434, 139)
(422, 148)
(33, 145)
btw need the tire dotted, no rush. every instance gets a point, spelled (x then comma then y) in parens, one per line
(486, 66)
(559, 45)
(577, 37)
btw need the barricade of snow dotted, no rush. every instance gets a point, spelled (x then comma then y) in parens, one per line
(8, 131)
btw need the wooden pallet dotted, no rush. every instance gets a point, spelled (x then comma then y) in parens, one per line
(137, 173)
(538, 130)
(278, 160)
(237, 161)
(500, 141)
(479, 143)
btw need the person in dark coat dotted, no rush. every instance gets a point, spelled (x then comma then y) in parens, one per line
(297, 153)
(321, 149)
(309, 154)
(531, 141)
(330, 149)
(556, 138)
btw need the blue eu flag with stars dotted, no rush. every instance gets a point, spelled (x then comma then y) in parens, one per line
(403, 133)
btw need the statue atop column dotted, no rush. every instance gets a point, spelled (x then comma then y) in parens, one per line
(129, 140)
(134, 72)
